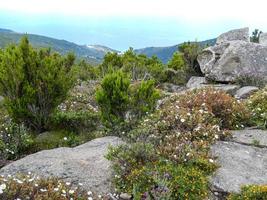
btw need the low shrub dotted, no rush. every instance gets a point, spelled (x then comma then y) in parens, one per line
(251, 192)
(257, 103)
(250, 80)
(15, 141)
(79, 121)
(143, 98)
(55, 139)
(30, 186)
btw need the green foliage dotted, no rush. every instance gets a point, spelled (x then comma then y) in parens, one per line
(75, 121)
(250, 192)
(84, 71)
(143, 98)
(55, 139)
(111, 63)
(33, 83)
(15, 141)
(113, 98)
(190, 51)
(177, 62)
(257, 103)
(176, 77)
(30, 187)
(255, 36)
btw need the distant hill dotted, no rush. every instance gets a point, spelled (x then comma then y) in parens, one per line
(92, 53)
(165, 53)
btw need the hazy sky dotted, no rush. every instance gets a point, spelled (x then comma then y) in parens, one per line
(137, 23)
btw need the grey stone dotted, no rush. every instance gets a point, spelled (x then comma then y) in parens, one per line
(229, 61)
(196, 82)
(245, 92)
(172, 88)
(83, 164)
(239, 165)
(228, 88)
(251, 137)
(237, 34)
(125, 196)
(263, 39)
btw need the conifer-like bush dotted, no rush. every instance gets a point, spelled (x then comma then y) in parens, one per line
(34, 83)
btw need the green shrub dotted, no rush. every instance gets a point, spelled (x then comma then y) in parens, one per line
(257, 103)
(179, 77)
(15, 141)
(177, 62)
(113, 98)
(85, 71)
(251, 192)
(79, 121)
(30, 186)
(33, 83)
(190, 52)
(55, 139)
(144, 97)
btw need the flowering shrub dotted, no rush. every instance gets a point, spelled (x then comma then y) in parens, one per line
(15, 140)
(250, 192)
(258, 106)
(33, 187)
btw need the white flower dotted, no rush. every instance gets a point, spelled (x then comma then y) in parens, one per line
(56, 189)
(3, 186)
(43, 190)
(36, 185)
(67, 183)
(71, 191)
(90, 198)
(99, 196)
(19, 181)
(182, 120)
(64, 191)
(89, 193)
(65, 138)
(211, 161)
(80, 184)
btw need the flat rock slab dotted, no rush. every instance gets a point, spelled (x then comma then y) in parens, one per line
(83, 164)
(239, 165)
(251, 137)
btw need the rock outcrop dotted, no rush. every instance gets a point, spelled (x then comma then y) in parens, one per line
(237, 34)
(234, 57)
(245, 92)
(242, 160)
(84, 164)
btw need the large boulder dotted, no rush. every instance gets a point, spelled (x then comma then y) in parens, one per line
(263, 39)
(84, 164)
(237, 34)
(242, 161)
(230, 60)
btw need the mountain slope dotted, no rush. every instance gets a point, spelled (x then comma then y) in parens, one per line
(165, 53)
(91, 53)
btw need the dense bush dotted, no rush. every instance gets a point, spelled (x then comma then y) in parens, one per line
(251, 192)
(113, 98)
(33, 83)
(177, 62)
(31, 186)
(143, 98)
(190, 52)
(168, 152)
(257, 103)
(75, 121)
(84, 71)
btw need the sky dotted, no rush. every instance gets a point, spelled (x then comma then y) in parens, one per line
(121, 24)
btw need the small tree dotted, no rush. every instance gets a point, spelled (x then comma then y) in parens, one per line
(144, 97)
(34, 83)
(177, 62)
(255, 36)
(113, 98)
